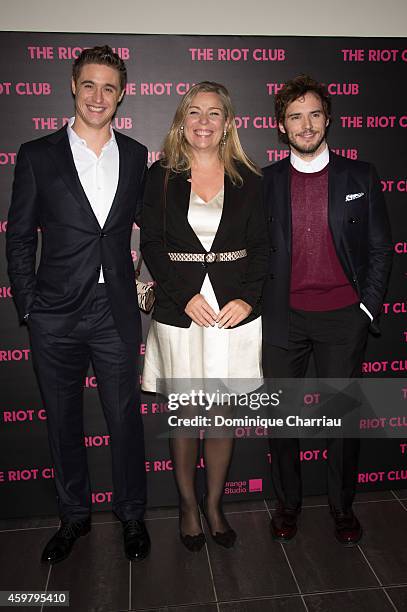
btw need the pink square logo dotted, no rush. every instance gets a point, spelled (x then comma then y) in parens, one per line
(255, 485)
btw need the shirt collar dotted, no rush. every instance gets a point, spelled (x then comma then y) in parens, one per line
(75, 139)
(315, 165)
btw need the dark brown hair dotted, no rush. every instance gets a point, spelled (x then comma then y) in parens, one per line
(101, 55)
(297, 88)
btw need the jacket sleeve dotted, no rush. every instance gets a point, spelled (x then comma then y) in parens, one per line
(22, 234)
(257, 246)
(380, 248)
(152, 241)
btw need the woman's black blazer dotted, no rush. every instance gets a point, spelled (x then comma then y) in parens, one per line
(242, 226)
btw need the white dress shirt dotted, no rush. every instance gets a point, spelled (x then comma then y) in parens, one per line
(99, 176)
(316, 165)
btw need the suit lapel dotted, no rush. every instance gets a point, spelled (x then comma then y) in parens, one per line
(179, 191)
(177, 205)
(125, 162)
(337, 180)
(230, 192)
(282, 198)
(61, 154)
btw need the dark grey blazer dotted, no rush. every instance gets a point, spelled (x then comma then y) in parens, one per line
(360, 230)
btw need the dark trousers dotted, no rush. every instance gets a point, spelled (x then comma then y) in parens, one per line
(337, 340)
(61, 364)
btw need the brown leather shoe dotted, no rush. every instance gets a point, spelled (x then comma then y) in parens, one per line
(284, 524)
(348, 530)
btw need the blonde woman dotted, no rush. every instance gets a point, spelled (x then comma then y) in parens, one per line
(204, 240)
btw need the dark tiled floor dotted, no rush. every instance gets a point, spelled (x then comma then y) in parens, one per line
(399, 597)
(280, 604)
(171, 575)
(254, 567)
(96, 574)
(319, 562)
(351, 601)
(312, 573)
(401, 493)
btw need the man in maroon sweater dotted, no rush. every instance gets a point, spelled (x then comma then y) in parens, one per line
(330, 258)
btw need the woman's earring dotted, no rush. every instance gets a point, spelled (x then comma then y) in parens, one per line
(181, 130)
(223, 141)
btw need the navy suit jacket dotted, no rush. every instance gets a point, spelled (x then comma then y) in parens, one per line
(48, 194)
(360, 231)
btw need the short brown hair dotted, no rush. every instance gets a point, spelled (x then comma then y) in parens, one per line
(297, 88)
(101, 55)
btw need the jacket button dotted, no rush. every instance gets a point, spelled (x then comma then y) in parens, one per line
(272, 276)
(103, 235)
(354, 279)
(273, 249)
(353, 220)
(271, 219)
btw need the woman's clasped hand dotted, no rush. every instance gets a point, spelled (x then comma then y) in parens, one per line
(231, 314)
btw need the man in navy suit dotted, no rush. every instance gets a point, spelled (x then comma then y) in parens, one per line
(82, 186)
(330, 258)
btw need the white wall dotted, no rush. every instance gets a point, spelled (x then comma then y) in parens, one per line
(267, 17)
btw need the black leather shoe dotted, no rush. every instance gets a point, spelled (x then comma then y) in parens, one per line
(61, 543)
(284, 524)
(136, 540)
(348, 530)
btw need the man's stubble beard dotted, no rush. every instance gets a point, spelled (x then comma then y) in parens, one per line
(306, 151)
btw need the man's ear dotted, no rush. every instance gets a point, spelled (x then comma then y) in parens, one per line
(281, 127)
(73, 86)
(120, 97)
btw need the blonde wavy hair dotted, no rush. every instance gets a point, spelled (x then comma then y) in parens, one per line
(177, 151)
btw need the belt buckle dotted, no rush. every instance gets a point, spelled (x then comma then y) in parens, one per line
(209, 257)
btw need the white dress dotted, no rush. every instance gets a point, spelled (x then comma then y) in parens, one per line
(202, 352)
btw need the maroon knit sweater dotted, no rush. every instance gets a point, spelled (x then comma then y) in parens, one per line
(318, 281)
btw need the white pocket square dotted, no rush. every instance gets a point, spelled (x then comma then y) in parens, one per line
(353, 196)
